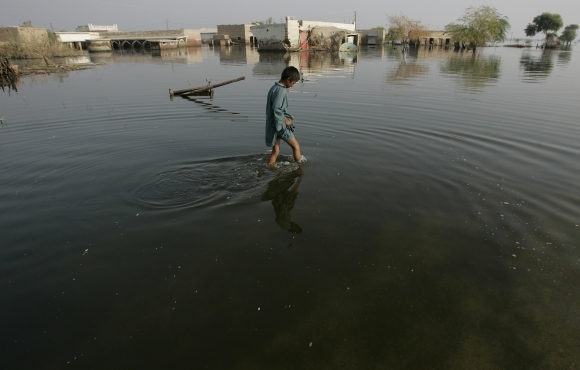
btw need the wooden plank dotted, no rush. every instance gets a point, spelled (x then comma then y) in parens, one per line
(203, 88)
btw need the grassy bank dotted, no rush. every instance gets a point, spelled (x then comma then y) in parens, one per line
(36, 49)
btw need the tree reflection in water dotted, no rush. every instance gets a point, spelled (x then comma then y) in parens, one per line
(283, 191)
(473, 71)
(564, 57)
(537, 67)
(407, 69)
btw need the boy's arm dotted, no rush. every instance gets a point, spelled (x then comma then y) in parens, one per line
(280, 111)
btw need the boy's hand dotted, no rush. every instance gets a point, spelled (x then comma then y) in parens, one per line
(287, 121)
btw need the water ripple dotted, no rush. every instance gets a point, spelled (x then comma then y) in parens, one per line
(223, 181)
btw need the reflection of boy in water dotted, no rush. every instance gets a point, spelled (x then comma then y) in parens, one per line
(283, 191)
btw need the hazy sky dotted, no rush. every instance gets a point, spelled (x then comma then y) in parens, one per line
(132, 15)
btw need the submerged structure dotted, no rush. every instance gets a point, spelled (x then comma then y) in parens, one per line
(295, 35)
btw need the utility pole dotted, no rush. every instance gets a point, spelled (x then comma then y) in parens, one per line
(51, 29)
(355, 19)
(167, 23)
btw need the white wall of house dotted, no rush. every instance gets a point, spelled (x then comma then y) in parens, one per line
(293, 29)
(76, 36)
(308, 25)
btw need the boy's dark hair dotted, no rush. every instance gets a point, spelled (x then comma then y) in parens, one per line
(291, 73)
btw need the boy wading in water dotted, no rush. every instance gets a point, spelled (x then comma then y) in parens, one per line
(278, 120)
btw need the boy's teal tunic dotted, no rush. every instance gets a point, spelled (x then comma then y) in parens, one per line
(275, 112)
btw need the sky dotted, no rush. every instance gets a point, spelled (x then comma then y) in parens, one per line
(136, 15)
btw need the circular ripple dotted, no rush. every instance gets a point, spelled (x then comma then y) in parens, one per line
(222, 181)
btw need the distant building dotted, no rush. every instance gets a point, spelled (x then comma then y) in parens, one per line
(238, 33)
(76, 39)
(374, 36)
(436, 38)
(96, 28)
(207, 34)
(296, 35)
(23, 34)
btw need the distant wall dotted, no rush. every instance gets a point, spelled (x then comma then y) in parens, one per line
(8, 34)
(207, 36)
(270, 36)
(30, 34)
(437, 38)
(293, 32)
(24, 34)
(193, 37)
(237, 32)
(307, 25)
(381, 35)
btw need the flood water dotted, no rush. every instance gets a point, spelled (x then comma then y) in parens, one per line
(435, 224)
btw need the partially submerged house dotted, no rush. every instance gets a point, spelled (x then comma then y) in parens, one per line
(207, 34)
(374, 36)
(297, 35)
(237, 33)
(436, 38)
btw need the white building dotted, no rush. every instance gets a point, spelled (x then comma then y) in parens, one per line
(296, 35)
(96, 28)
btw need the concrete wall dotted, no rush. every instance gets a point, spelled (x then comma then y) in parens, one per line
(381, 35)
(270, 36)
(239, 33)
(33, 34)
(23, 34)
(193, 37)
(437, 38)
(293, 32)
(8, 34)
(308, 25)
(206, 37)
(76, 36)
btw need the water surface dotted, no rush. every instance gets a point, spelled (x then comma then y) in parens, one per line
(435, 224)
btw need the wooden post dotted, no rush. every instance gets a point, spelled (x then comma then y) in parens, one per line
(199, 89)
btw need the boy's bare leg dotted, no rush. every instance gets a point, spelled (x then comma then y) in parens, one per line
(295, 149)
(275, 152)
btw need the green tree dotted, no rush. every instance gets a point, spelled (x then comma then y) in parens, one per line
(479, 26)
(545, 23)
(26, 24)
(569, 34)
